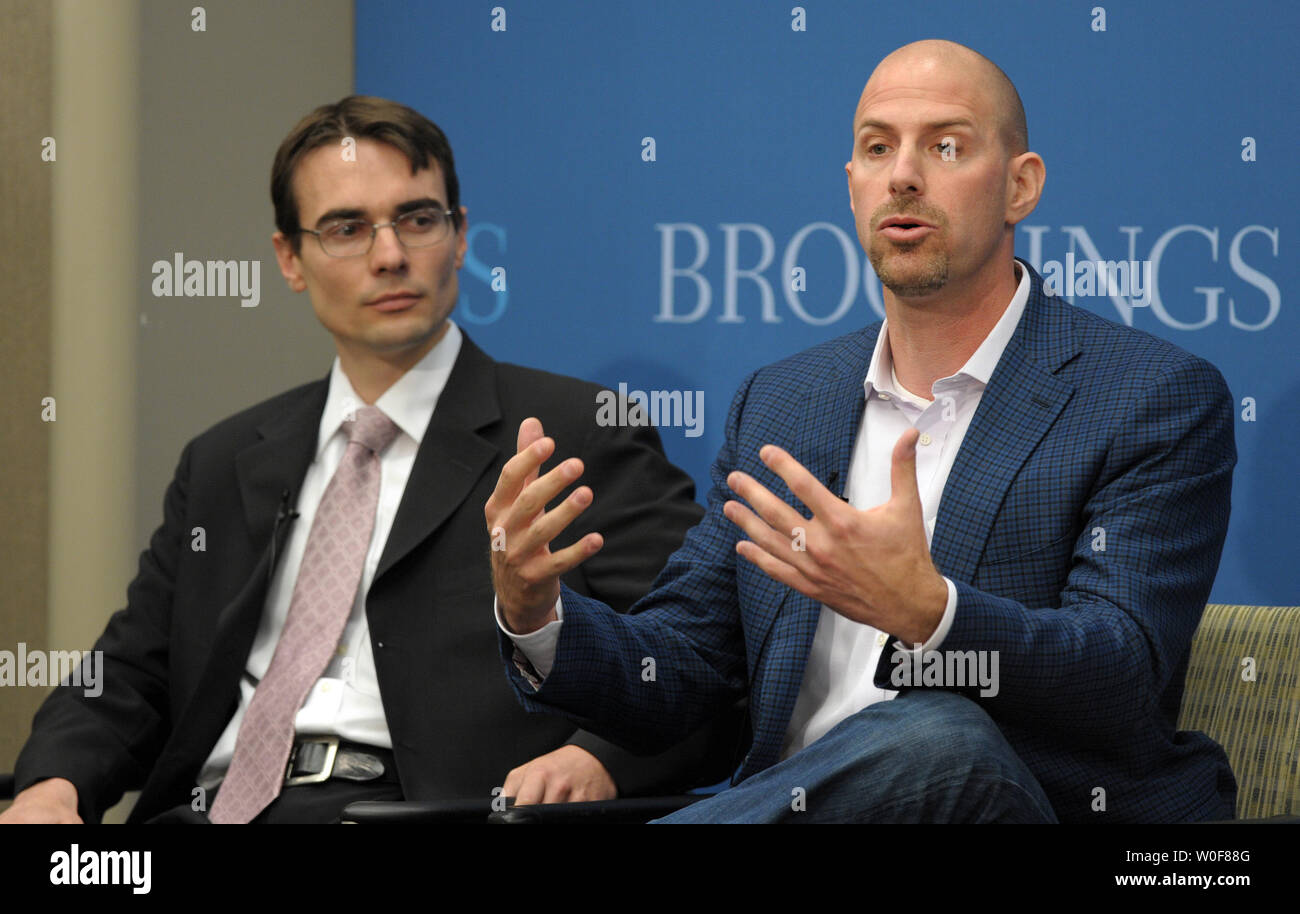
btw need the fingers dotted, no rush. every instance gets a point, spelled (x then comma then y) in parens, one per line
(532, 789)
(548, 526)
(530, 430)
(518, 472)
(528, 529)
(537, 783)
(805, 486)
(776, 569)
(574, 555)
(520, 495)
(902, 471)
(542, 491)
(514, 782)
(767, 505)
(777, 541)
(570, 774)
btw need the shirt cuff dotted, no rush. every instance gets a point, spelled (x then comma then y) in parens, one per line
(537, 649)
(949, 611)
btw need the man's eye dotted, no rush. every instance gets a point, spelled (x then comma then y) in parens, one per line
(421, 220)
(345, 229)
(876, 149)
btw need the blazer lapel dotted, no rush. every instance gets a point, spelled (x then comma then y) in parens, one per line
(278, 462)
(452, 457)
(265, 471)
(1023, 398)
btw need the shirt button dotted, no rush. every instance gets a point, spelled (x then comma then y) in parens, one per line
(884, 396)
(324, 686)
(925, 438)
(881, 638)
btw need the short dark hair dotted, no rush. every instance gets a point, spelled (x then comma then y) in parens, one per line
(359, 116)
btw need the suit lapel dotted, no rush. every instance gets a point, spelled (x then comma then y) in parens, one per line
(279, 461)
(275, 465)
(1023, 398)
(452, 457)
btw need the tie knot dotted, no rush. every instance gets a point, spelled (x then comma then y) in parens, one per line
(371, 429)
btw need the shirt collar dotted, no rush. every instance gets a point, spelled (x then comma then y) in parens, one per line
(409, 402)
(979, 367)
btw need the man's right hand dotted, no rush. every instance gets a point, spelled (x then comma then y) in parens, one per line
(525, 572)
(49, 802)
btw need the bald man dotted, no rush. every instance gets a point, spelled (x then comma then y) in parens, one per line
(955, 560)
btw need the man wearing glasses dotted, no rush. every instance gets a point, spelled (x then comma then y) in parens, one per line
(331, 643)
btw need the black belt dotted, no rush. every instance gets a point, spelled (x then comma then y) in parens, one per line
(315, 759)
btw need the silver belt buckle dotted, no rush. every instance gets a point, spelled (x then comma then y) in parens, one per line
(331, 751)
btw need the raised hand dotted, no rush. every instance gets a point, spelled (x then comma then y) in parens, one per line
(525, 572)
(871, 566)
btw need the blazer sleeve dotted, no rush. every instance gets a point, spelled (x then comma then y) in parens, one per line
(643, 507)
(1098, 663)
(106, 744)
(648, 679)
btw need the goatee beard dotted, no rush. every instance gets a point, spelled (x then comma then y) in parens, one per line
(931, 275)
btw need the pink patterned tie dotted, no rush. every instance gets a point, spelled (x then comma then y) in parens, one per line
(322, 601)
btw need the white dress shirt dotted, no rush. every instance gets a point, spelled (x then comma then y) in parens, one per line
(839, 678)
(345, 701)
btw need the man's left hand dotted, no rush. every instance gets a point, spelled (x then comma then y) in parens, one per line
(570, 774)
(871, 566)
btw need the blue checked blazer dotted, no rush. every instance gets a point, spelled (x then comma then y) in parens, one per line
(1085, 426)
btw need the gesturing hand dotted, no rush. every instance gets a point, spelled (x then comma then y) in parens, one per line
(870, 566)
(525, 572)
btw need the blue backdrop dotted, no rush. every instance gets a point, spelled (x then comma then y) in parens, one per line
(646, 174)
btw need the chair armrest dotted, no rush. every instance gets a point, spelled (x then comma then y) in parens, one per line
(479, 811)
(417, 812)
(633, 811)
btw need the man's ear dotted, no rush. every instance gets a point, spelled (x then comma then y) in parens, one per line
(1025, 181)
(462, 243)
(848, 173)
(289, 261)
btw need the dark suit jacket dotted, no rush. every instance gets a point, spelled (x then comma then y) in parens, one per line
(174, 656)
(1085, 426)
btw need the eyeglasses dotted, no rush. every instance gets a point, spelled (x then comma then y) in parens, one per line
(420, 228)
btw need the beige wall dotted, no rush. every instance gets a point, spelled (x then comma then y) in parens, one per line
(214, 108)
(164, 139)
(26, 75)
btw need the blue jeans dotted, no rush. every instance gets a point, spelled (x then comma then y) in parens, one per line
(926, 756)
